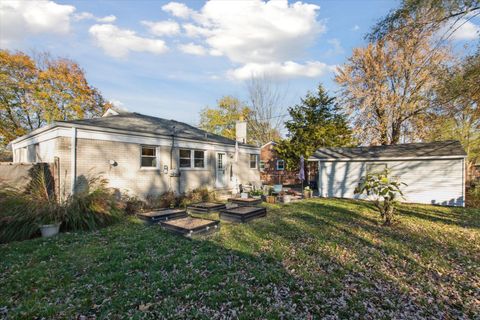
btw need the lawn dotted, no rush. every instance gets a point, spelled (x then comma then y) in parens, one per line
(317, 258)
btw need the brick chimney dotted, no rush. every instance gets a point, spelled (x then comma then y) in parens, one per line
(241, 131)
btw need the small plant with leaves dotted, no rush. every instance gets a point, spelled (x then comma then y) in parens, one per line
(256, 193)
(385, 191)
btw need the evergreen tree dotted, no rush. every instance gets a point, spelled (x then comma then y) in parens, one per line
(316, 122)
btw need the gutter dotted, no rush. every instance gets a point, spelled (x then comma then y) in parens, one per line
(387, 159)
(127, 132)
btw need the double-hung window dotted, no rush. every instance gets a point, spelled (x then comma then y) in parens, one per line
(262, 165)
(280, 165)
(149, 157)
(192, 158)
(253, 161)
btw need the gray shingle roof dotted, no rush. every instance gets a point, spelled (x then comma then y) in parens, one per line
(431, 149)
(136, 122)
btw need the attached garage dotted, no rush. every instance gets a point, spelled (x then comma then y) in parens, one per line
(434, 172)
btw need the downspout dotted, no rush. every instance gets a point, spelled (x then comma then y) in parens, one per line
(464, 195)
(171, 158)
(73, 162)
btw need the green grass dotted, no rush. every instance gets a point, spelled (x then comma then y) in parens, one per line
(321, 257)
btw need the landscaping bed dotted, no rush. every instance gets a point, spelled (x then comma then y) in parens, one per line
(311, 259)
(242, 214)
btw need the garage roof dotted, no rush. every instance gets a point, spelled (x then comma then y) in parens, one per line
(447, 148)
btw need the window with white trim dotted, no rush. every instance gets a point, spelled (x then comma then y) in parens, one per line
(198, 159)
(280, 165)
(262, 165)
(148, 158)
(192, 158)
(253, 161)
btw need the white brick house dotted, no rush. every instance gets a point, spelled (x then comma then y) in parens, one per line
(139, 154)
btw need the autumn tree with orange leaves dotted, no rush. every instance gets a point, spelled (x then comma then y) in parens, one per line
(37, 91)
(387, 87)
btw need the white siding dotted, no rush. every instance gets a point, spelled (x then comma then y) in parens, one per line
(428, 181)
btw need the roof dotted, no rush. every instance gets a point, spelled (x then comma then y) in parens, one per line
(136, 122)
(140, 123)
(408, 150)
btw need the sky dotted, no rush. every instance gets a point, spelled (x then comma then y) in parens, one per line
(172, 59)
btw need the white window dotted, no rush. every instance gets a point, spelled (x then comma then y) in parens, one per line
(253, 161)
(280, 165)
(149, 157)
(199, 159)
(187, 155)
(373, 168)
(262, 165)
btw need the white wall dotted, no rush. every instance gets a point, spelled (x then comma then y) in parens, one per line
(438, 181)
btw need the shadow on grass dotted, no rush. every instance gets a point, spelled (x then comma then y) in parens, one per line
(137, 271)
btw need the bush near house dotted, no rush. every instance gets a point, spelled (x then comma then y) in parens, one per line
(22, 211)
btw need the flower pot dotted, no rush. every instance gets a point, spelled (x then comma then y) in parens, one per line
(287, 198)
(271, 199)
(307, 194)
(49, 230)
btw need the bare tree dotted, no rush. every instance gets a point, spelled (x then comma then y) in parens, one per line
(265, 100)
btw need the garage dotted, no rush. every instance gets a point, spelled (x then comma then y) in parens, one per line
(434, 172)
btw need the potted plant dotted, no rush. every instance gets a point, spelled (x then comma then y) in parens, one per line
(271, 198)
(50, 217)
(286, 198)
(307, 192)
(256, 194)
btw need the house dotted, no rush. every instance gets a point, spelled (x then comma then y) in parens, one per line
(140, 154)
(272, 167)
(434, 172)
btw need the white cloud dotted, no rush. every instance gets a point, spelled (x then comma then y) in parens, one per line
(107, 19)
(467, 30)
(192, 48)
(288, 69)
(177, 9)
(356, 27)
(336, 47)
(20, 19)
(256, 34)
(118, 42)
(89, 16)
(162, 28)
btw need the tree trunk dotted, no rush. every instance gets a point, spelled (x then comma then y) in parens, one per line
(388, 213)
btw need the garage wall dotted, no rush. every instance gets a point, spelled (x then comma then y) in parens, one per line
(429, 181)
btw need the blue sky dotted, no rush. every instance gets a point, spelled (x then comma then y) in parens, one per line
(171, 59)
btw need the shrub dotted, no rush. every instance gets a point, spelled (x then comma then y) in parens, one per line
(23, 211)
(473, 197)
(197, 195)
(385, 191)
(95, 206)
(132, 205)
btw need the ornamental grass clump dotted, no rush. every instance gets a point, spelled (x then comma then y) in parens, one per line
(384, 191)
(93, 207)
(24, 211)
